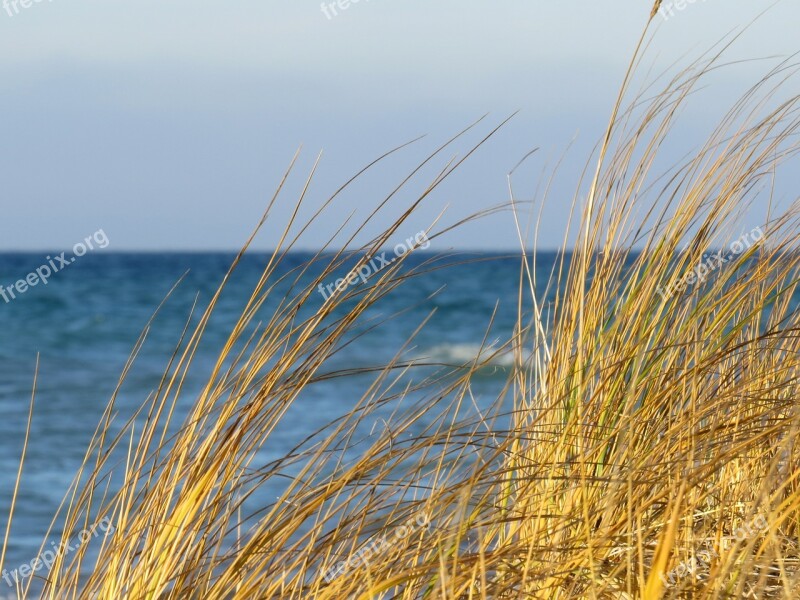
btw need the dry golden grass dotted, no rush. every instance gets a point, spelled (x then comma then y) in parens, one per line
(635, 430)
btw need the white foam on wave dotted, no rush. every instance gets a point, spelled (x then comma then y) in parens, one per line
(464, 354)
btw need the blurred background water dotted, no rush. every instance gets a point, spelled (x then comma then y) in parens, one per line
(84, 323)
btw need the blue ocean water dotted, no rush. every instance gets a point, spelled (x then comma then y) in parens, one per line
(84, 323)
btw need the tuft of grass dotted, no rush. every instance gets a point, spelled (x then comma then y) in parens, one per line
(634, 430)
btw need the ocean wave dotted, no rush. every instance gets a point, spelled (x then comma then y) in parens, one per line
(468, 353)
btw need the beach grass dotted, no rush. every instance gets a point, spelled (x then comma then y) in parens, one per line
(643, 445)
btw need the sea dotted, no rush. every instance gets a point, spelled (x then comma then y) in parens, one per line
(82, 326)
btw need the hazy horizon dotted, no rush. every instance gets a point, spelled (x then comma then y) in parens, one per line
(170, 125)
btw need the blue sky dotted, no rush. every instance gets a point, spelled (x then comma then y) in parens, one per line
(168, 124)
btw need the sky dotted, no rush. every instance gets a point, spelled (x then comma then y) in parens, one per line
(170, 124)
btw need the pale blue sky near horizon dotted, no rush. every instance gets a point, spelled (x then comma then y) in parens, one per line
(169, 124)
